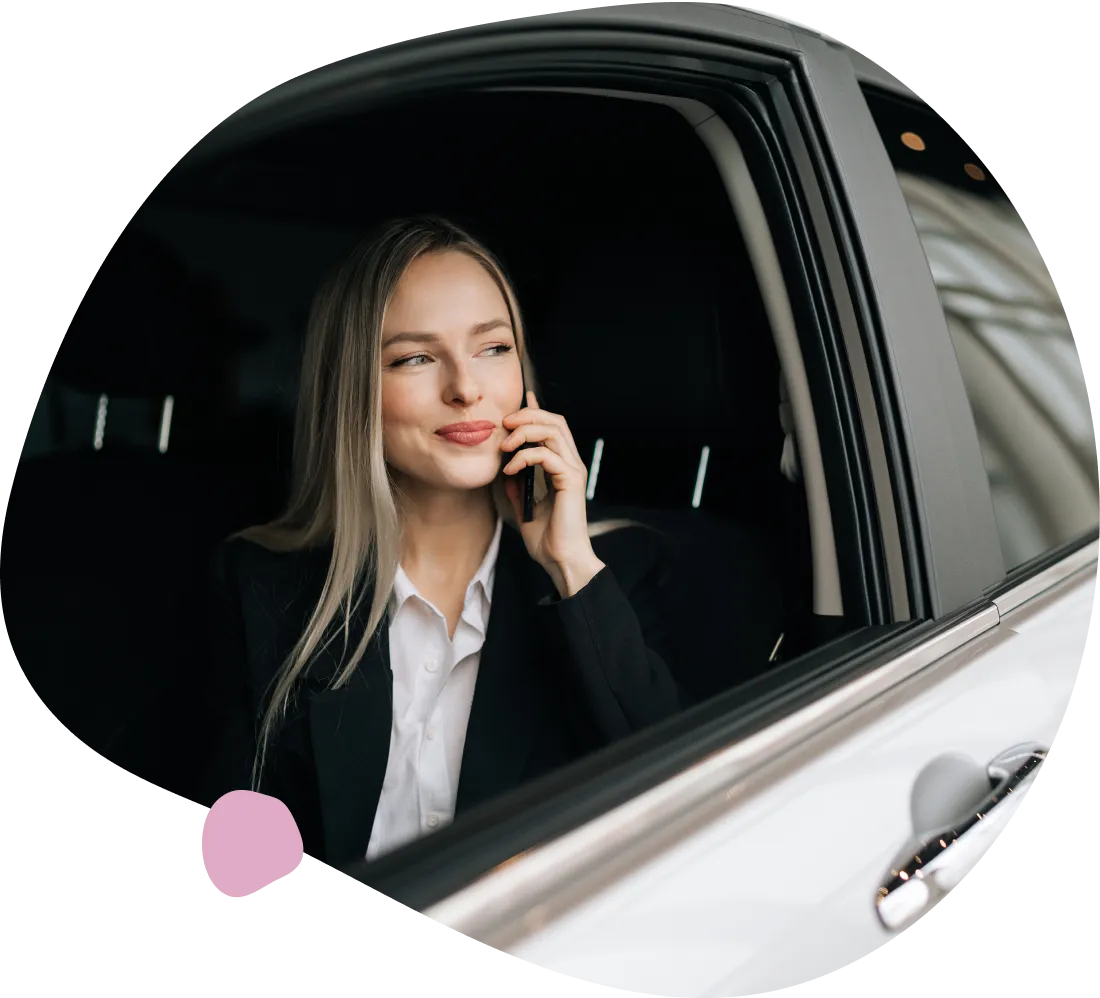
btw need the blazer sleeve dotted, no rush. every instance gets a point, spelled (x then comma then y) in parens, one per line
(230, 735)
(615, 643)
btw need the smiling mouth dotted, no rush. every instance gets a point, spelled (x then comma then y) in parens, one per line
(467, 434)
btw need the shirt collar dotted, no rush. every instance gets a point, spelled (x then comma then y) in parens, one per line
(482, 582)
(487, 571)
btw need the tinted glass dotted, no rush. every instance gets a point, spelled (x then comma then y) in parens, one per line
(1018, 360)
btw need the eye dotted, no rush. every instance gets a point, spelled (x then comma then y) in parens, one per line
(408, 361)
(502, 347)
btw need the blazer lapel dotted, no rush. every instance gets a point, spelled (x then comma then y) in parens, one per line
(504, 712)
(350, 734)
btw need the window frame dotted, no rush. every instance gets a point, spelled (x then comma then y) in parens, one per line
(944, 494)
(730, 50)
(421, 873)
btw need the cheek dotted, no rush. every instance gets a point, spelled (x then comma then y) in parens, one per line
(402, 415)
(507, 388)
(402, 405)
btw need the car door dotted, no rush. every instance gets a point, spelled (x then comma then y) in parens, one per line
(781, 831)
(788, 853)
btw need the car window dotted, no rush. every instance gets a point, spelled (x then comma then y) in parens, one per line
(171, 400)
(1016, 352)
(167, 412)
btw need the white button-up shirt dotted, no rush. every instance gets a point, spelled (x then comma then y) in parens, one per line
(433, 690)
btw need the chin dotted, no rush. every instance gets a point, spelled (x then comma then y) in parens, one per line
(469, 477)
(469, 482)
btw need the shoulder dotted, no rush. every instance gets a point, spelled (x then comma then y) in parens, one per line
(248, 569)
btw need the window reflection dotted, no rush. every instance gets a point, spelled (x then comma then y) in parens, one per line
(1019, 363)
(1021, 532)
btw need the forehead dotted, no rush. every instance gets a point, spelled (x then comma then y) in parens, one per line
(442, 291)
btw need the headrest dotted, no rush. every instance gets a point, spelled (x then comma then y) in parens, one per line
(144, 329)
(656, 339)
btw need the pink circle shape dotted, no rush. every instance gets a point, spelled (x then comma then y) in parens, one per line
(249, 840)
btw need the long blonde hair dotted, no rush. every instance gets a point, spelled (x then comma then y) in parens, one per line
(341, 490)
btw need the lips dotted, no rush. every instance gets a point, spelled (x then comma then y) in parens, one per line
(467, 434)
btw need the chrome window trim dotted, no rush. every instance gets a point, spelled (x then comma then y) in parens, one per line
(1079, 561)
(523, 894)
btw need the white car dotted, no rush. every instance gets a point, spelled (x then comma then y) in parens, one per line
(883, 434)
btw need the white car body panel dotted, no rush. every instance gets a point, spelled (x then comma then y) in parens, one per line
(781, 889)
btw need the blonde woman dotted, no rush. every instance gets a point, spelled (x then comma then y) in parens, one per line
(400, 645)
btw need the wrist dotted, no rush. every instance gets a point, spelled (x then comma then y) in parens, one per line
(571, 576)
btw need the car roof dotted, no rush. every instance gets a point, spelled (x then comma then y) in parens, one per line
(869, 69)
(872, 73)
(866, 70)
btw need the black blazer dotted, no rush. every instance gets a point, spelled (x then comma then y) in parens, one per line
(557, 679)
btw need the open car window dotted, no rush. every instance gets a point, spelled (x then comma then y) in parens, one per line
(663, 265)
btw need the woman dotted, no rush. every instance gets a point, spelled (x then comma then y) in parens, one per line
(400, 645)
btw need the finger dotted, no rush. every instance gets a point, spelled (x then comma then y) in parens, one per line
(532, 432)
(546, 433)
(533, 414)
(521, 416)
(561, 473)
(529, 403)
(551, 436)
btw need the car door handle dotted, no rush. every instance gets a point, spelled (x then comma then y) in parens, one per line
(941, 859)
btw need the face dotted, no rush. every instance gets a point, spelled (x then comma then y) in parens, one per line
(448, 358)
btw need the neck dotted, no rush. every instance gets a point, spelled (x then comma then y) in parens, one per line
(446, 534)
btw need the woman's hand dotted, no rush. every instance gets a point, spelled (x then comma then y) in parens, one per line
(557, 538)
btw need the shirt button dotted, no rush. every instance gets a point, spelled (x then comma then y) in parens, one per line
(431, 664)
(433, 820)
(430, 732)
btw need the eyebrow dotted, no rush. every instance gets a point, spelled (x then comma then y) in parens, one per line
(475, 330)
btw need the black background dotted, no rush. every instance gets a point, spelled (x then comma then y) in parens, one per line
(95, 108)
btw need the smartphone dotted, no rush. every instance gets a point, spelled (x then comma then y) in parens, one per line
(528, 475)
(528, 483)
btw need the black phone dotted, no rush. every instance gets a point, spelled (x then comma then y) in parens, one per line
(528, 474)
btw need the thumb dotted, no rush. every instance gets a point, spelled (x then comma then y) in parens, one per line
(511, 490)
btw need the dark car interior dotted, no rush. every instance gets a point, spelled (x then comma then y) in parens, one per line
(166, 420)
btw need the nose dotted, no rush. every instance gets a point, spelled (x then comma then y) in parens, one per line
(463, 388)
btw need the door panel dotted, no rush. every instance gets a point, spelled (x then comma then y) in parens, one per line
(782, 888)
